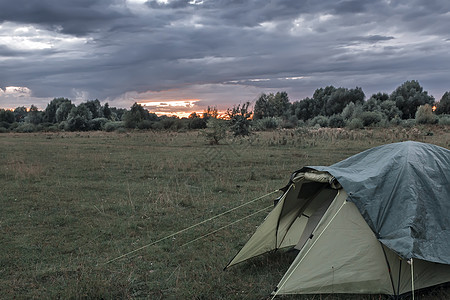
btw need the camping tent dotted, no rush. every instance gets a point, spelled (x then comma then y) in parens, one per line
(376, 222)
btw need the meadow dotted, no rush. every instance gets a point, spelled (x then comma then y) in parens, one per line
(72, 203)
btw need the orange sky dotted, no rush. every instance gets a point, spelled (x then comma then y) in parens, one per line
(181, 108)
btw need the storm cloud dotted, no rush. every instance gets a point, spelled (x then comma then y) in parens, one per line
(218, 52)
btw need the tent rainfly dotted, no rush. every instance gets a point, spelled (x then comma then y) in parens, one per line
(377, 222)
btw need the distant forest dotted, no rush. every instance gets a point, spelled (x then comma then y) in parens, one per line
(334, 107)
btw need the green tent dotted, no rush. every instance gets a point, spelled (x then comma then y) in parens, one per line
(377, 222)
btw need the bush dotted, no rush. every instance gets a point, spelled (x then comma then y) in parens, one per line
(268, 123)
(168, 122)
(197, 123)
(26, 127)
(395, 121)
(444, 120)
(215, 131)
(370, 118)
(145, 124)
(321, 121)
(336, 121)
(5, 124)
(408, 123)
(51, 128)
(425, 115)
(290, 123)
(355, 123)
(97, 123)
(301, 123)
(112, 126)
(3, 130)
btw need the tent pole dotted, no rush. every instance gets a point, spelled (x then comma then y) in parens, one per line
(399, 276)
(412, 278)
(389, 269)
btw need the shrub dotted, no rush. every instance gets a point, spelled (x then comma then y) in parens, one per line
(240, 119)
(290, 122)
(395, 121)
(51, 128)
(197, 123)
(97, 123)
(355, 123)
(268, 123)
(370, 118)
(3, 130)
(145, 124)
(408, 123)
(215, 131)
(444, 120)
(321, 121)
(112, 126)
(5, 124)
(425, 115)
(301, 123)
(26, 127)
(336, 121)
(168, 122)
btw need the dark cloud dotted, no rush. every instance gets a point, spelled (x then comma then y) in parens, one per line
(111, 49)
(72, 17)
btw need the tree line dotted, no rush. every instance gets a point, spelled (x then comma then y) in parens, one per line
(328, 107)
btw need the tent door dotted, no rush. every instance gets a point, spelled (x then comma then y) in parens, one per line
(315, 217)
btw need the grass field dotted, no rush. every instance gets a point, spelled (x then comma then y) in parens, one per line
(70, 202)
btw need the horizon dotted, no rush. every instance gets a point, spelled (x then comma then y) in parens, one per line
(170, 108)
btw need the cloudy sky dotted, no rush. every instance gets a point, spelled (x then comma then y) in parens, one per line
(194, 53)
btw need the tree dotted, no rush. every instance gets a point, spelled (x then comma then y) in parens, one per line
(6, 118)
(387, 108)
(95, 107)
(34, 116)
(107, 113)
(272, 105)
(409, 96)
(443, 106)
(52, 107)
(196, 122)
(134, 116)
(380, 97)
(306, 109)
(261, 109)
(279, 104)
(321, 97)
(62, 113)
(215, 131)
(20, 113)
(390, 110)
(338, 99)
(79, 117)
(240, 119)
(210, 112)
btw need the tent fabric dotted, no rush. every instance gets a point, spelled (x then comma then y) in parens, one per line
(284, 225)
(403, 192)
(344, 255)
(358, 223)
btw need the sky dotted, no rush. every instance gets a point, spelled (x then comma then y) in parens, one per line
(183, 55)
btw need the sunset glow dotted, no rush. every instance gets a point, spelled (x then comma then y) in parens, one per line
(180, 108)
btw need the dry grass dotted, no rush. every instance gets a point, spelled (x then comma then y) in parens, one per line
(72, 201)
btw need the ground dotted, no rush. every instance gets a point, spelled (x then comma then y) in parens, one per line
(72, 202)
